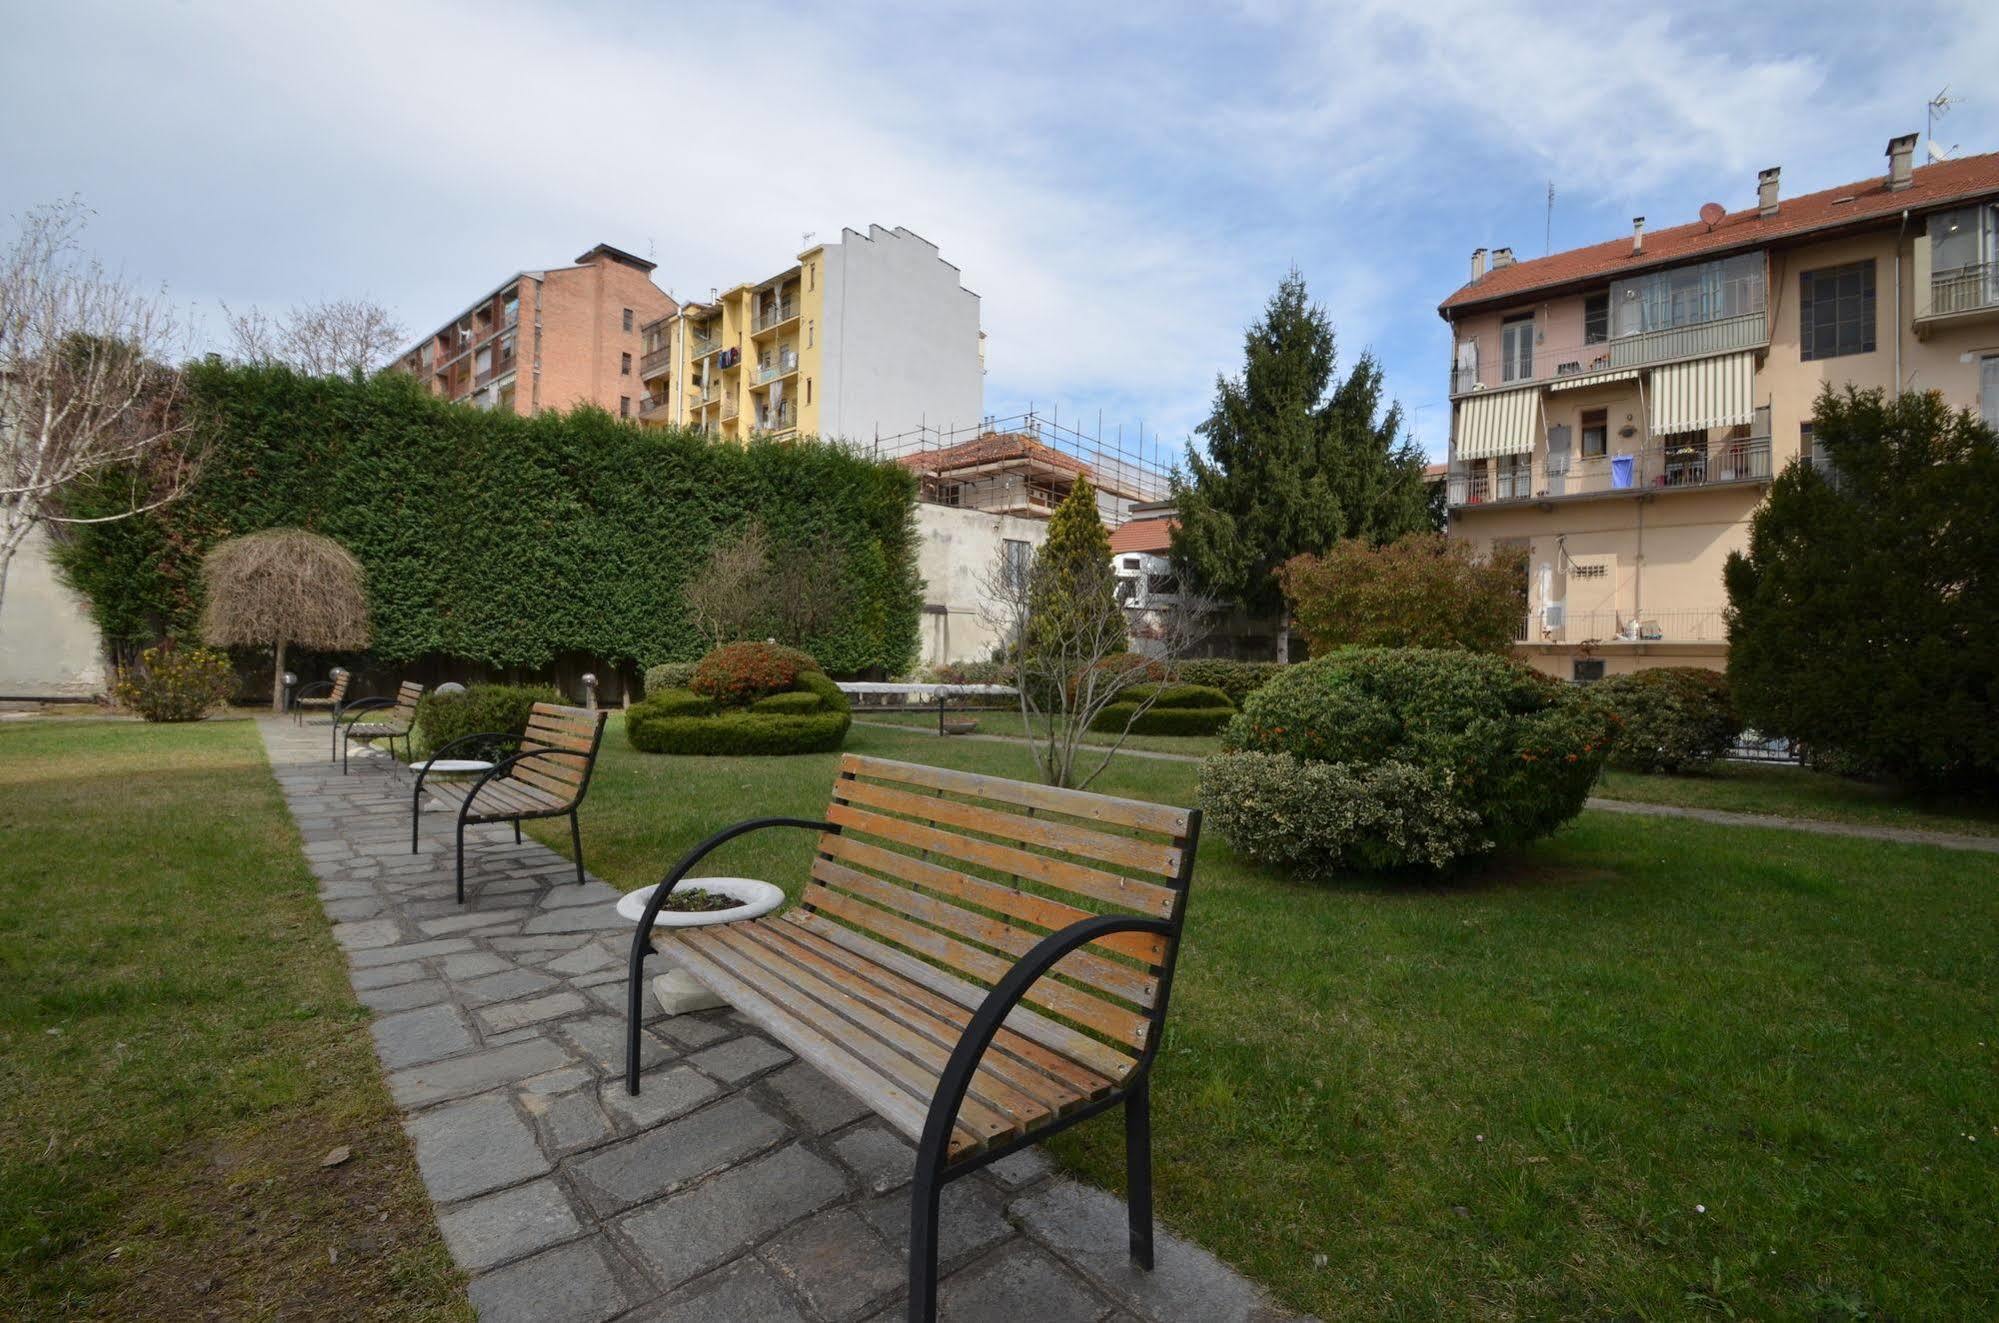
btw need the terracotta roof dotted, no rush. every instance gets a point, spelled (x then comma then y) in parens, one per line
(1144, 535)
(1931, 186)
(1432, 472)
(992, 448)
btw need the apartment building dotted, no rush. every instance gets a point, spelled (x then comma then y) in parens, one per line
(869, 336)
(548, 339)
(1620, 409)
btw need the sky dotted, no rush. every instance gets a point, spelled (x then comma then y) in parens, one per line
(1123, 186)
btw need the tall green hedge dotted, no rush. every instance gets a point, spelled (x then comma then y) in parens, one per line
(504, 540)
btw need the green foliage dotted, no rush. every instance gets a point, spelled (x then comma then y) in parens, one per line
(1423, 590)
(971, 672)
(1513, 750)
(499, 539)
(1237, 679)
(1864, 617)
(681, 703)
(1121, 716)
(831, 696)
(1670, 718)
(1180, 695)
(172, 683)
(1321, 818)
(736, 674)
(738, 731)
(1072, 595)
(797, 701)
(483, 709)
(1292, 462)
(668, 675)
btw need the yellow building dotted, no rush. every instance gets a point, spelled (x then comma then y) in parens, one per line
(869, 336)
(1619, 410)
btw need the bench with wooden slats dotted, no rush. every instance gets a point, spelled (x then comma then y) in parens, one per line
(328, 694)
(397, 723)
(929, 890)
(545, 777)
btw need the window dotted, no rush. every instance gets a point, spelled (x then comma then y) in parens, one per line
(1588, 670)
(624, 406)
(1516, 348)
(1017, 555)
(1836, 310)
(1596, 433)
(624, 365)
(1988, 389)
(628, 320)
(808, 335)
(811, 274)
(1688, 295)
(808, 390)
(1596, 318)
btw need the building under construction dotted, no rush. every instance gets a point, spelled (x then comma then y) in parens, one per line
(1025, 466)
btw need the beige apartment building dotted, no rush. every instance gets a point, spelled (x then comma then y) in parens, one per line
(548, 339)
(1619, 410)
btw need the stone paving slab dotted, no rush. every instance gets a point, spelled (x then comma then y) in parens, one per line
(739, 1185)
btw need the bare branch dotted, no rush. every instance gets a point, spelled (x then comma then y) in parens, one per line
(344, 337)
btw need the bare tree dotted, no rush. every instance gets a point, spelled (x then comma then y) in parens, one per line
(283, 586)
(344, 337)
(726, 596)
(803, 589)
(1070, 663)
(88, 383)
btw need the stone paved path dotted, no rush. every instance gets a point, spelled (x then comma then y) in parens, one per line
(739, 1185)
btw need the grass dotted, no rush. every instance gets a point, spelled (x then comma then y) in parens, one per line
(1650, 1071)
(1796, 792)
(1008, 723)
(181, 1049)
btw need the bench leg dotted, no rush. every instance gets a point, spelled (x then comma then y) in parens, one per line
(517, 831)
(925, 1200)
(461, 857)
(1138, 1171)
(345, 747)
(576, 839)
(416, 812)
(634, 1009)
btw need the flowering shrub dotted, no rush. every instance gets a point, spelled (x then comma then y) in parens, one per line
(173, 683)
(736, 674)
(1671, 719)
(1513, 752)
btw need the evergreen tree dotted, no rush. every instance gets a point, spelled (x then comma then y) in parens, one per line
(1293, 463)
(1073, 590)
(1864, 619)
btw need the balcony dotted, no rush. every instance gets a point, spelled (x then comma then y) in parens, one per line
(652, 406)
(1651, 469)
(655, 361)
(1610, 627)
(729, 407)
(773, 315)
(699, 396)
(781, 419)
(784, 366)
(1648, 349)
(1961, 294)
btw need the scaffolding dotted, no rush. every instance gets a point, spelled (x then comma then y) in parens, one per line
(1026, 463)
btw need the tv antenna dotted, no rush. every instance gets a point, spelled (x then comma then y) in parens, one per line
(1939, 106)
(1548, 225)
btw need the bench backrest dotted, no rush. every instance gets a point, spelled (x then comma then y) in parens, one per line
(339, 690)
(570, 735)
(969, 872)
(404, 712)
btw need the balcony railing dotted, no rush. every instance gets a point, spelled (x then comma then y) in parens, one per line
(698, 395)
(654, 362)
(1545, 364)
(781, 419)
(1650, 469)
(783, 367)
(729, 407)
(652, 405)
(775, 314)
(699, 344)
(1610, 626)
(1965, 289)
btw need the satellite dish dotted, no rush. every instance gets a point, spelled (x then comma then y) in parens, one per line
(1712, 213)
(1939, 153)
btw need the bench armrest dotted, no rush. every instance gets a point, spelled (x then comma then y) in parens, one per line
(360, 705)
(308, 690)
(1000, 1002)
(449, 745)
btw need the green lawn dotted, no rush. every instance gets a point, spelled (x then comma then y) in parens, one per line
(1645, 1070)
(1008, 723)
(1795, 792)
(179, 1049)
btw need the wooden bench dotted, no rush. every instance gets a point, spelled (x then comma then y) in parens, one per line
(982, 961)
(546, 777)
(397, 723)
(327, 694)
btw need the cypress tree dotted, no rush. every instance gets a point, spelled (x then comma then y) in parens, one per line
(1072, 589)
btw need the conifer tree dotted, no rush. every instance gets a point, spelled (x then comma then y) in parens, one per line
(1072, 584)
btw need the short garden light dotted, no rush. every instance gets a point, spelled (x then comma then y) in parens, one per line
(449, 687)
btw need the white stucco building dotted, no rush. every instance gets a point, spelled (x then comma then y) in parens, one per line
(49, 646)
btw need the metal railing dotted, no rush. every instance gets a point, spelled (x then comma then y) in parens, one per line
(730, 407)
(652, 404)
(781, 419)
(775, 314)
(1610, 625)
(654, 362)
(698, 344)
(1964, 289)
(1650, 469)
(783, 367)
(1720, 336)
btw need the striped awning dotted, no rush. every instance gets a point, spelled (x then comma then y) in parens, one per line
(1593, 379)
(1707, 392)
(1501, 423)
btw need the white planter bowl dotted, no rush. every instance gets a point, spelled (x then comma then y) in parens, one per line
(758, 899)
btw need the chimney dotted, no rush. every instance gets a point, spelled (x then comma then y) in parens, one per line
(1766, 191)
(1502, 258)
(1900, 152)
(1637, 235)
(1477, 265)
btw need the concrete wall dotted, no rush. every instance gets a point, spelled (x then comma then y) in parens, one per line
(899, 339)
(958, 550)
(49, 647)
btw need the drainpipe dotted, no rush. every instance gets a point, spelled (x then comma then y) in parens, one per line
(1899, 234)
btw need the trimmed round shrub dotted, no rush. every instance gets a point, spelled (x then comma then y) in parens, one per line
(1179, 709)
(1670, 719)
(1237, 679)
(1409, 757)
(831, 696)
(681, 703)
(738, 673)
(481, 709)
(795, 701)
(736, 731)
(669, 675)
(172, 683)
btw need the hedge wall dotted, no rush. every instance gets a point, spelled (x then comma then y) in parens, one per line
(498, 539)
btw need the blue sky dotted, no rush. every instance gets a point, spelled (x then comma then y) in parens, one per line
(1122, 185)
